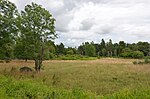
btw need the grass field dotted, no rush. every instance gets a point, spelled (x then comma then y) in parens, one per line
(104, 77)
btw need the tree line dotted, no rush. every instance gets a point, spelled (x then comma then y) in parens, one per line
(121, 49)
(102, 49)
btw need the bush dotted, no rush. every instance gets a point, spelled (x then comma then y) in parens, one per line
(51, 56)
(70, 52)
(134, 54)
(147, 57)
(126, 55)
(146, 61)
(137, 54)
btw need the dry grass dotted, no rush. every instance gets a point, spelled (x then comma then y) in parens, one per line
(103, 76)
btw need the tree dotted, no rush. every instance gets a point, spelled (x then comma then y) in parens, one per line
(8, 28)
(122, 45)
(126, 50)
(90, 50)
(97, 48)
(103, 44)
(144, 47)
(20, 51)
(102, 47)
(60, 49)
(37, 28)
(81, 50)
(50, 50)
(116, 49)
(109, 48)
(104, 52)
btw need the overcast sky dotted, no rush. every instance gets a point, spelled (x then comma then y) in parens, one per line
(78, 21)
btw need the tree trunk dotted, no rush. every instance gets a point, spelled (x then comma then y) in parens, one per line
(26, 60)
(39, 60)
(38, 65)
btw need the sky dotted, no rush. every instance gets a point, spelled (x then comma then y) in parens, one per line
(79, 21)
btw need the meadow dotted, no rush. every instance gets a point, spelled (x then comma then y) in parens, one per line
(109, 78)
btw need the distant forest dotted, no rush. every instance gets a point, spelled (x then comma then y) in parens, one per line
(103, 49)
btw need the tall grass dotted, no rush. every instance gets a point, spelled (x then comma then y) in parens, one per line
(27, 89)
(107, 77)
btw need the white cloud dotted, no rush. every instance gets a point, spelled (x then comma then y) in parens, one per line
(91, 20)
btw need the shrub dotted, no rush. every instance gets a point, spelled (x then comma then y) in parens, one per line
(146, 61)
(137, 54)
(70, 52)
(51, 56)
(134, 54)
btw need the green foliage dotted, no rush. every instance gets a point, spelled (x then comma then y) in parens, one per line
(134, 54)
(90, 50)
(146, 61)
(137, 54)
(144, 47)
(127, 50)
(8, 28)
(70, 52)
(60, 49)
(51, 56)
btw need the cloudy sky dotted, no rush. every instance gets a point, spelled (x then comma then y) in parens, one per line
(78, 21)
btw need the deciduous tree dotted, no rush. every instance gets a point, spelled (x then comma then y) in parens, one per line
(37, 28)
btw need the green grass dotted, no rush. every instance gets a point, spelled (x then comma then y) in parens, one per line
(27, 89)
(75, 57)
(107, 77)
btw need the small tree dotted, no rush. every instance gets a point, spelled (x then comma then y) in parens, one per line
(60, 49)
(37, 28)
(89, 50)
(70, 52)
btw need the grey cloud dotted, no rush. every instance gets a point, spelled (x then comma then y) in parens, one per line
(127, 20)
(87, 24)
(62, 23)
